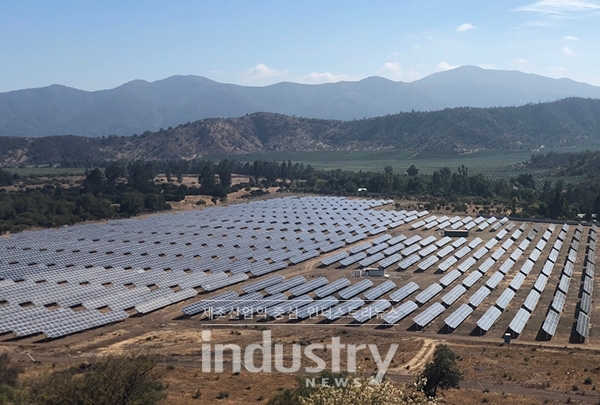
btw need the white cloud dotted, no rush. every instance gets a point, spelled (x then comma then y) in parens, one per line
(261, 73)
(325, 77)
(561, 7)
(518, 63)
(443, 66)
(465, 27)
(567, 51)
(391, 70)
(570, 38)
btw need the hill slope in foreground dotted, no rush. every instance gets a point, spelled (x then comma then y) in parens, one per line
(569, 122)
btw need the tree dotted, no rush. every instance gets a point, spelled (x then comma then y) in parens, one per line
(412, 171)
(442, 371)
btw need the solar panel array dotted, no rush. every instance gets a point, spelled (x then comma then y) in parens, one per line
(84, 276)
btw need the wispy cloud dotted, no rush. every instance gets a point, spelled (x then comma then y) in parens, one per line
(391, 70)
(465, 27)
(261, 73)
(325, 77)
(443, 66)
(567, 51)
(570, 38)
(561, 7)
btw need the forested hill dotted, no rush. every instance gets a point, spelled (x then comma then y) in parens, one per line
(569, 122)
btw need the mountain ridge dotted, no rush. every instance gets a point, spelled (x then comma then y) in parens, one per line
(138, 106)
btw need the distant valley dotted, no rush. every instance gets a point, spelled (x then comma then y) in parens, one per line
(140, 106)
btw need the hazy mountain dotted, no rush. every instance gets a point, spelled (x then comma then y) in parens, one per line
(569, 122)
(140, 106)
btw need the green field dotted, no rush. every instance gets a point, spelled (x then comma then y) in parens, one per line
(46, 171)
(399, 161)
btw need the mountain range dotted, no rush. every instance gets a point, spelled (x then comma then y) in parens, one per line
(461, 130)
(141, 106)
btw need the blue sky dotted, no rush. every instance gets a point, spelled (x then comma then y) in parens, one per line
(99, 45)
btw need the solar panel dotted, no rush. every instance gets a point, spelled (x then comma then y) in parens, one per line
(586, 303)
(558, 302)
(480, 253)
(519, 321)
(485, 266)
(505, 298)
(428, 293)
(475, 242)
(480, 295)
(583, 325)
(427, 316)
(371, 259)
(462, 252)
(450, 278)
(316, 308)
(371, 311)
(417, 224)
(355, 289)
(382, 238)
(379, 290)
(494, 280)
(334, 259)
(444, 241)
(532, 300)
(261, 285)
(330, 288)
(453, 295)
(568, 269)
(308, 286)
(588, 285)
(427, 263)
(353, 259)
(489, 318)
(506, 266)
(459, 242)
(491, 243)
(360, 248)
(472, 278)
(540, 283)
(524, 244)
(498, 253)
(412, 240)
(286, 285)
(404, 291)
(516, 254)
(551, 323)
(400, 312)
(377, 248)
(388, 261)
(410, 250)
(517, 281)
(204, 305)
(564, 283)
(286, 307)
(446, 264)
(457, 317)
(343, 309)
(467, 264)
(397, 239)
(409, 261)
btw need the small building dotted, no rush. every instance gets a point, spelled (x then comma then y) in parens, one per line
(456, 233)
(374, 272)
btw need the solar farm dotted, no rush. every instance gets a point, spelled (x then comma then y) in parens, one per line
(298, 260)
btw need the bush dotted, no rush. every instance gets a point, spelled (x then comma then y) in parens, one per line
(113, 379)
